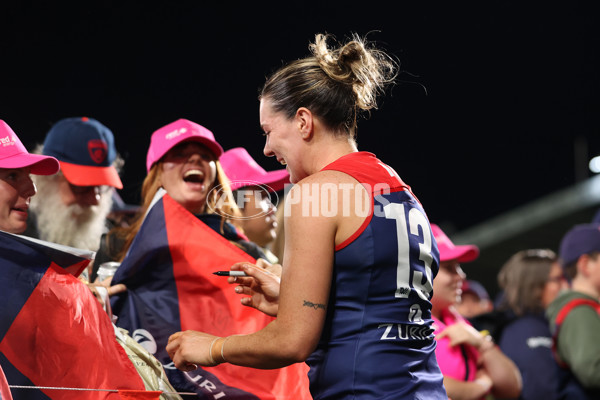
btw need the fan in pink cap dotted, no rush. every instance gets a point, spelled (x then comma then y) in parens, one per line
(450, 251)
(464, 354)
(16, 185)
(14, 155)
(243, 170)
(255, 186)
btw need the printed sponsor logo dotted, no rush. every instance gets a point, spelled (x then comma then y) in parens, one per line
(175, 133)
(197, 378)
(539, 341)
(405, 332)
(205, 384)
(145, 339)
(7, 141)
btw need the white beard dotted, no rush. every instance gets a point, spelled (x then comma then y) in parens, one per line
(72, 225)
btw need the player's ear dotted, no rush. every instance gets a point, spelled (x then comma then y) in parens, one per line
(305, 123)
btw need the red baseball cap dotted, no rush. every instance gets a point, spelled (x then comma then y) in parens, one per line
(14, 155)
(450, 251)
(242, 170)
(170, 135)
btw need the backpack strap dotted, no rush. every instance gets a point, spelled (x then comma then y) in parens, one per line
(560, 317)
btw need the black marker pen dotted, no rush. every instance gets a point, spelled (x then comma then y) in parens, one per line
(230, 273)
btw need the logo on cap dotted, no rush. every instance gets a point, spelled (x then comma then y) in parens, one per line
(98, 150)
(7, 141)
(175, 133)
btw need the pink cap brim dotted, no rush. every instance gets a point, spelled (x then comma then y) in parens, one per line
(39, 164)
(461, 253)
(274, 180)
(83, 175)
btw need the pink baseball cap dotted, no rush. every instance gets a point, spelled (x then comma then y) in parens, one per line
(167, 137)
(449, 251)
(242, 170)
(14, 155)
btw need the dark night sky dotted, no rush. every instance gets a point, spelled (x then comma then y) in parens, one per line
(485, 115)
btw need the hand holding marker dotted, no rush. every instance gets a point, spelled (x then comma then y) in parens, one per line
(230, 273)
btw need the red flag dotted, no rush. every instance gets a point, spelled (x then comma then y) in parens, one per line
(208, 303)
(53, 332)
(139, 394)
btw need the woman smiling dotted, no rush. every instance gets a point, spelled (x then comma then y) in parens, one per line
(16, 186)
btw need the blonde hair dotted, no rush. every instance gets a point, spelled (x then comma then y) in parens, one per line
(335, 84)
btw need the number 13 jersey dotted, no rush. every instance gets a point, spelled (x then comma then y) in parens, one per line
(377, 342)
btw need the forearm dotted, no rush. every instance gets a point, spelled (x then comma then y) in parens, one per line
(268, 348)
(461, 390)
(505, 375)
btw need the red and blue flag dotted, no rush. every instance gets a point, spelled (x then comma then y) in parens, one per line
(53, 332)
(171, 287)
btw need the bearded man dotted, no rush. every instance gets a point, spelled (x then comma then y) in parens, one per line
(71, 207)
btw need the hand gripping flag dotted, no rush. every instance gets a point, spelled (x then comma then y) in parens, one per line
(53, 331)
(171, 287)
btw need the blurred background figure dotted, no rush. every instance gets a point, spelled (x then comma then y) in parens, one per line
(254, 189)
(72, 206)
(530, 280)
(474, 300)
(574, 314)
(472, 365)
(596, 218)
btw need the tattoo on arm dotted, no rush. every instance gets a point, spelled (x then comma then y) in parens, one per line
(313, 305)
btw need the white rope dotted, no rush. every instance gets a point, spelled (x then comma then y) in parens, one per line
(60, 388)
(86, 389)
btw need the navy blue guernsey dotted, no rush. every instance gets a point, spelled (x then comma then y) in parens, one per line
(377, 342)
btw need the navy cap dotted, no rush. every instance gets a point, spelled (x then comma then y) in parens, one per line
(581, 239)
(86, 151)
(476, 288)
